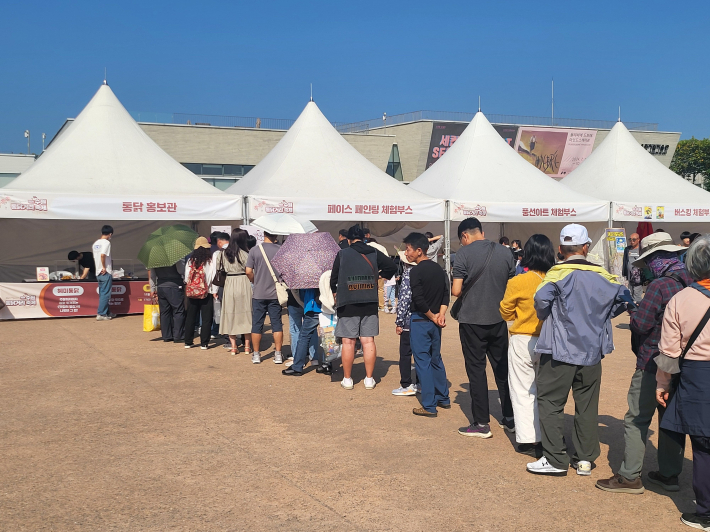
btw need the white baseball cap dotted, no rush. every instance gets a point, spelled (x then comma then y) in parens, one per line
(574, 235)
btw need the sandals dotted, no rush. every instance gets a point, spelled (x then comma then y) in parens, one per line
(233, 351)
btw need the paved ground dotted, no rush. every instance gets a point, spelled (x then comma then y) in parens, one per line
(105, 428)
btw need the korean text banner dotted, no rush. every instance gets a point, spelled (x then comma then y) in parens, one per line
(445, 134)
(387, 209)
(555, 151)
(520, 212)
(69, 299)
(629, 212)
(53, 206)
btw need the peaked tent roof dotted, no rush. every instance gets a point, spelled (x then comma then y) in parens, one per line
(483, 176)
(622, 171)
(104, 154)
(314, 172)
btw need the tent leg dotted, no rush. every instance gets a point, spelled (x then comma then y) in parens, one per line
(247, 216)
(447, 243)
(502, 230)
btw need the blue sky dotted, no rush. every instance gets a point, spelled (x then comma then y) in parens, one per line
(363, 58)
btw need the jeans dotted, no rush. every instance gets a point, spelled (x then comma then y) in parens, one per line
(307, 336)
(171, 300)
(642, 407)
(477, 341)
(105, 283)
(425, 336)
(295, 322)
(390, 295)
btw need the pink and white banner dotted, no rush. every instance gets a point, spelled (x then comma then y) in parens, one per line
(52, 206)
(520, 212)
(555, 151)
(647, 212)
(386, 209)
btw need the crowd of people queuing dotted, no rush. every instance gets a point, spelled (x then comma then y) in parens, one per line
(540, 314)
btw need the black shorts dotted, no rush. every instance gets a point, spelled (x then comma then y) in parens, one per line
(259, 309)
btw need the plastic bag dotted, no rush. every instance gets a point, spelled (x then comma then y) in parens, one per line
(328, 341)
(151, 318)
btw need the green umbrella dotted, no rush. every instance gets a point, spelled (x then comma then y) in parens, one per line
(167, 245)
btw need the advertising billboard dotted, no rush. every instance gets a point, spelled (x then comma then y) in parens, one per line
(445, 134)
(554, 151)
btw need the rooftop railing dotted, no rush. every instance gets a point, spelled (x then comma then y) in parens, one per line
(377, 123)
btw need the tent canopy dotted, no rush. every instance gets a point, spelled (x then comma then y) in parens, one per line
(104, 166)
(315, 173)
(483, 176)
(641, 188)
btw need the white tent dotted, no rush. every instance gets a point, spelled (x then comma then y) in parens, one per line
(314, 173)
(102, 168)
(482, 176)
(640, 188)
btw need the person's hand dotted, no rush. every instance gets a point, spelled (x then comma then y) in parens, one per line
(215, 296)
(441, 321)
(398, 330)
(662, 397)
(103, 271)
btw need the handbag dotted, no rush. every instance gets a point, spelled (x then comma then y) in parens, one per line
(281, 288)
(456, 307)
(151, 318)
(220, 276)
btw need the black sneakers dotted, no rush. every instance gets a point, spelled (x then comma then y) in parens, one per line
(700, 522)
(667, 483)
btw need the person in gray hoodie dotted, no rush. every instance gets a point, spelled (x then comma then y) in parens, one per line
(576, 302)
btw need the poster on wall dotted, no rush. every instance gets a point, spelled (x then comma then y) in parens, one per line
(554, 151)
(615, 244)
(445, 134)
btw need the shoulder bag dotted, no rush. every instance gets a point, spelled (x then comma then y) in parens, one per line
(456, 307)
(281, 288)
(220, 276)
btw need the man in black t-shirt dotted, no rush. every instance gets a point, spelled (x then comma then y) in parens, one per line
(430, 299)
(86, 261)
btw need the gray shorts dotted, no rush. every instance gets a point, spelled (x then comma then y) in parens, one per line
(358, 326)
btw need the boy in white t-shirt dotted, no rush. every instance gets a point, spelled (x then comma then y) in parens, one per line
(102, 259)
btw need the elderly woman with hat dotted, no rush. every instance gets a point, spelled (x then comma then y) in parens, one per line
(401, 323)
(199, 274)
(683, 376)
(659, 254)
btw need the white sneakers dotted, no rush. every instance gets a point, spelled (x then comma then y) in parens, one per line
(278, 358)
(403, 392)
(370, 383)
(584, 468)
(347, 384)
(256, 357)
(543, 467)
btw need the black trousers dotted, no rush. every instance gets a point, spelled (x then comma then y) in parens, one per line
(206, 309)
(171, 300)
(477, 342)
(405, 361)
(701, 474)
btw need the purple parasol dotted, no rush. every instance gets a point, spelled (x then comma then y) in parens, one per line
(304, 257)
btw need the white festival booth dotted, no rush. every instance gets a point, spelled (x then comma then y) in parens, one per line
(482, 176)
(640, 188)
(101, 169)
(313, 172)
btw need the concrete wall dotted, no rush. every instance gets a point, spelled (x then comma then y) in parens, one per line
(246, 146)
(413, 142)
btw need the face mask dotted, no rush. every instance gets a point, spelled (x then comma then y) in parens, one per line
(225, 246)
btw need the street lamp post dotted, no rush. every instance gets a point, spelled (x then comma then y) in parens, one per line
(384, 119)
(44, 136)
(27, 136)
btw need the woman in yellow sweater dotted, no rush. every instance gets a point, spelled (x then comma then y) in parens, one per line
(518, 306)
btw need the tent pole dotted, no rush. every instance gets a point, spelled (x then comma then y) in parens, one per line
(247, 217)
(447, 241)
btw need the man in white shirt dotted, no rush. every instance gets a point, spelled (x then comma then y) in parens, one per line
(102, 259)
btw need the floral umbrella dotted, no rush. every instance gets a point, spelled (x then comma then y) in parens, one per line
(303, 258)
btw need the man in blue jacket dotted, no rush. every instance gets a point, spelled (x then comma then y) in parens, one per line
(576, 302)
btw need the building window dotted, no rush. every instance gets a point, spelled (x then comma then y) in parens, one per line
(221, 176)
(394, 166)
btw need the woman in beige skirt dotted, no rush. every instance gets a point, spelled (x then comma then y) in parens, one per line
(236, 299)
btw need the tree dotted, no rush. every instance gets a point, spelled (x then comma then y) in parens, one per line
(692, 160)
